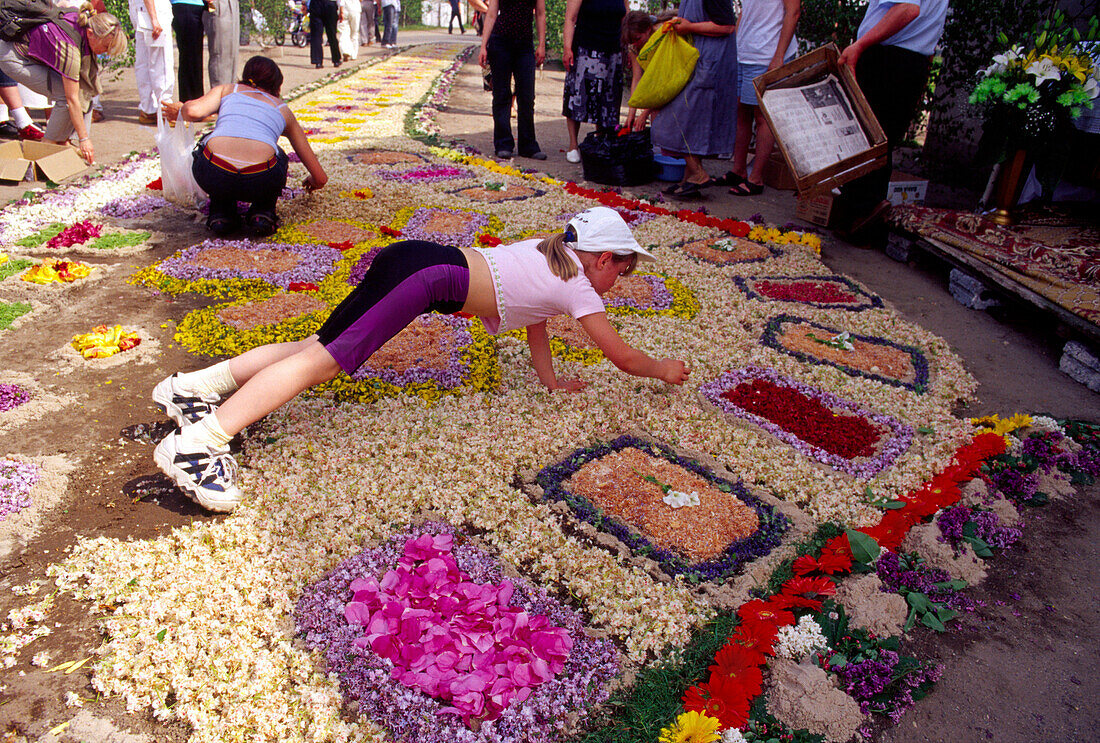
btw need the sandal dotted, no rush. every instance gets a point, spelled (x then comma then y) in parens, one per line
(221, 226)
(729, 179)
(262, 225)
(689, 190)
(747, 188)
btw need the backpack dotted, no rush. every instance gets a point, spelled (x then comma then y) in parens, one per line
(17, 17)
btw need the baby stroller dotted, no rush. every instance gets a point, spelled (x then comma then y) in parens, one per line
(296, 26)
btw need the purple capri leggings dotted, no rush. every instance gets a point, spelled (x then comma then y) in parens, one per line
(405, 279)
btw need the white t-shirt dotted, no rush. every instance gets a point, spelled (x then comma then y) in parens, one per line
(758, 32)
(528, 293)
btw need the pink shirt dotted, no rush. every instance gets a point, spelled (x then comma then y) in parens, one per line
(528, 293)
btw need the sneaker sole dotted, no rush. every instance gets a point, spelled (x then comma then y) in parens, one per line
(184, 482)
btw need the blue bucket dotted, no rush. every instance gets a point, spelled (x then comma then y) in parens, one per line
(670, 168)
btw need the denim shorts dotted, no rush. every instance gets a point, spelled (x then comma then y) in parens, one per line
(745, 75)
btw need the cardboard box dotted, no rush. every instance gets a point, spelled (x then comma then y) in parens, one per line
(30, 161)
(777, 174)
(906, 189)
(815, 209)
(815, 67)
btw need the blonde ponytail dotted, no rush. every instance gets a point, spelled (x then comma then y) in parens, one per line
(558, 256)
(103, 25)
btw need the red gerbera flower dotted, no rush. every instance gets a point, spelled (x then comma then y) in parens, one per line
(721, 698)
(764, 613)
(832, 563)
(733, 659)
(805, 565)
(346, 245)
(890, 532)
(749, 678)
(155, 185)
(390, 231)
(786, 601)
(838, 546)
(489, 241)
(302, 286)
(819, 586)
(756, 636)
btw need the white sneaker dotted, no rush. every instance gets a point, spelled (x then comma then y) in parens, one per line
(206, 476)
(573, 156)
(182, 405)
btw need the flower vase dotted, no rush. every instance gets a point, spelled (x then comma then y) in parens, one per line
(1010, 182)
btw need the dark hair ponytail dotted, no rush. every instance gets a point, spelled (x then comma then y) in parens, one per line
(262, 73)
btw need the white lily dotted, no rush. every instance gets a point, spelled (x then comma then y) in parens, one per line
(1043, 69)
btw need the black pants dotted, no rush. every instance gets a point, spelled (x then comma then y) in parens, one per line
(225, 188)
(893, 80)
(187, 23)
(513, 59)
(323, 15)
(455, 14)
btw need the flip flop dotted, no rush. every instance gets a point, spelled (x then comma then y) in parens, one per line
(690, 190)
(747, 188)
(672, 190)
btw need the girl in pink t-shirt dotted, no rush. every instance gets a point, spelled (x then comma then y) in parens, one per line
(513, 286)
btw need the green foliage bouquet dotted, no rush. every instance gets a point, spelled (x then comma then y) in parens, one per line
(1033, 91)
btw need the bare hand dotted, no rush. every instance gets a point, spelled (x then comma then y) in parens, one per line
(850, 56)
(483, 57)
(170, 110)
(157, 30)
(672, 371)
(640, 121)
(540, 55)
(776, 62)
(567, 58)
(570, 385)
(310, 184)
(87, 151)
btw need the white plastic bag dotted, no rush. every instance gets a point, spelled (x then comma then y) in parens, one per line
(175, 147)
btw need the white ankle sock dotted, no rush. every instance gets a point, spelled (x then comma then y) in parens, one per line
(20, 117)
(4, 112)
(207, 432)
(213, 380)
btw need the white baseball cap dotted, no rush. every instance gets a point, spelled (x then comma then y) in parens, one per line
(602, 229)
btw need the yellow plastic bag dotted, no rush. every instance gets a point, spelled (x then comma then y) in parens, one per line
(669, 61)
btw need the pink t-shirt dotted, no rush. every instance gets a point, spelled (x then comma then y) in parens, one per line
(528, 293)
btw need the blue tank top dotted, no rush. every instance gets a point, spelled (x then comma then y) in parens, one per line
(241, 115)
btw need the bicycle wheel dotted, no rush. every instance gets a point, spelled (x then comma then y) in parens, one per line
(300, 38)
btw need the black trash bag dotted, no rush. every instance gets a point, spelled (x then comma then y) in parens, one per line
(618, 161)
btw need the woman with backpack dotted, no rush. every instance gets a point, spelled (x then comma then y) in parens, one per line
(57, 59)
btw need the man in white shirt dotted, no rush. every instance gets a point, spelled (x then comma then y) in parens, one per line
(153, 63)
(891, 57)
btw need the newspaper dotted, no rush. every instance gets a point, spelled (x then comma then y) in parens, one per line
(816, 124)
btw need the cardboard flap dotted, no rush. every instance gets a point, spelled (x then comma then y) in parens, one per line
(13, 168)
(61, 165)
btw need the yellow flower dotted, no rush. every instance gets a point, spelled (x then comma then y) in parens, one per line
(995, 424)
(692, 727)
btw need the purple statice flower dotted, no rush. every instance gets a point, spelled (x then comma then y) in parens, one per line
(428, 174)
(132, 207)
(414, 229)
(449, 377)
(359, 270)
(292, 156)
(662, 297)
(884, 686)
(409, 714)
(900, 573)
(16, 480)
(12, 396)
(315, 263)
(899, 438)
(954, 524)
(1015, 484)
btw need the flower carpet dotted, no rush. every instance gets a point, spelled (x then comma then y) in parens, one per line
(436, 548)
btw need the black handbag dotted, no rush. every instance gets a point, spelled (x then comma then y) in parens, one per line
(618, 161)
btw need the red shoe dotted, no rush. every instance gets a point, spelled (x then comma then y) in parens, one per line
(31, 132)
